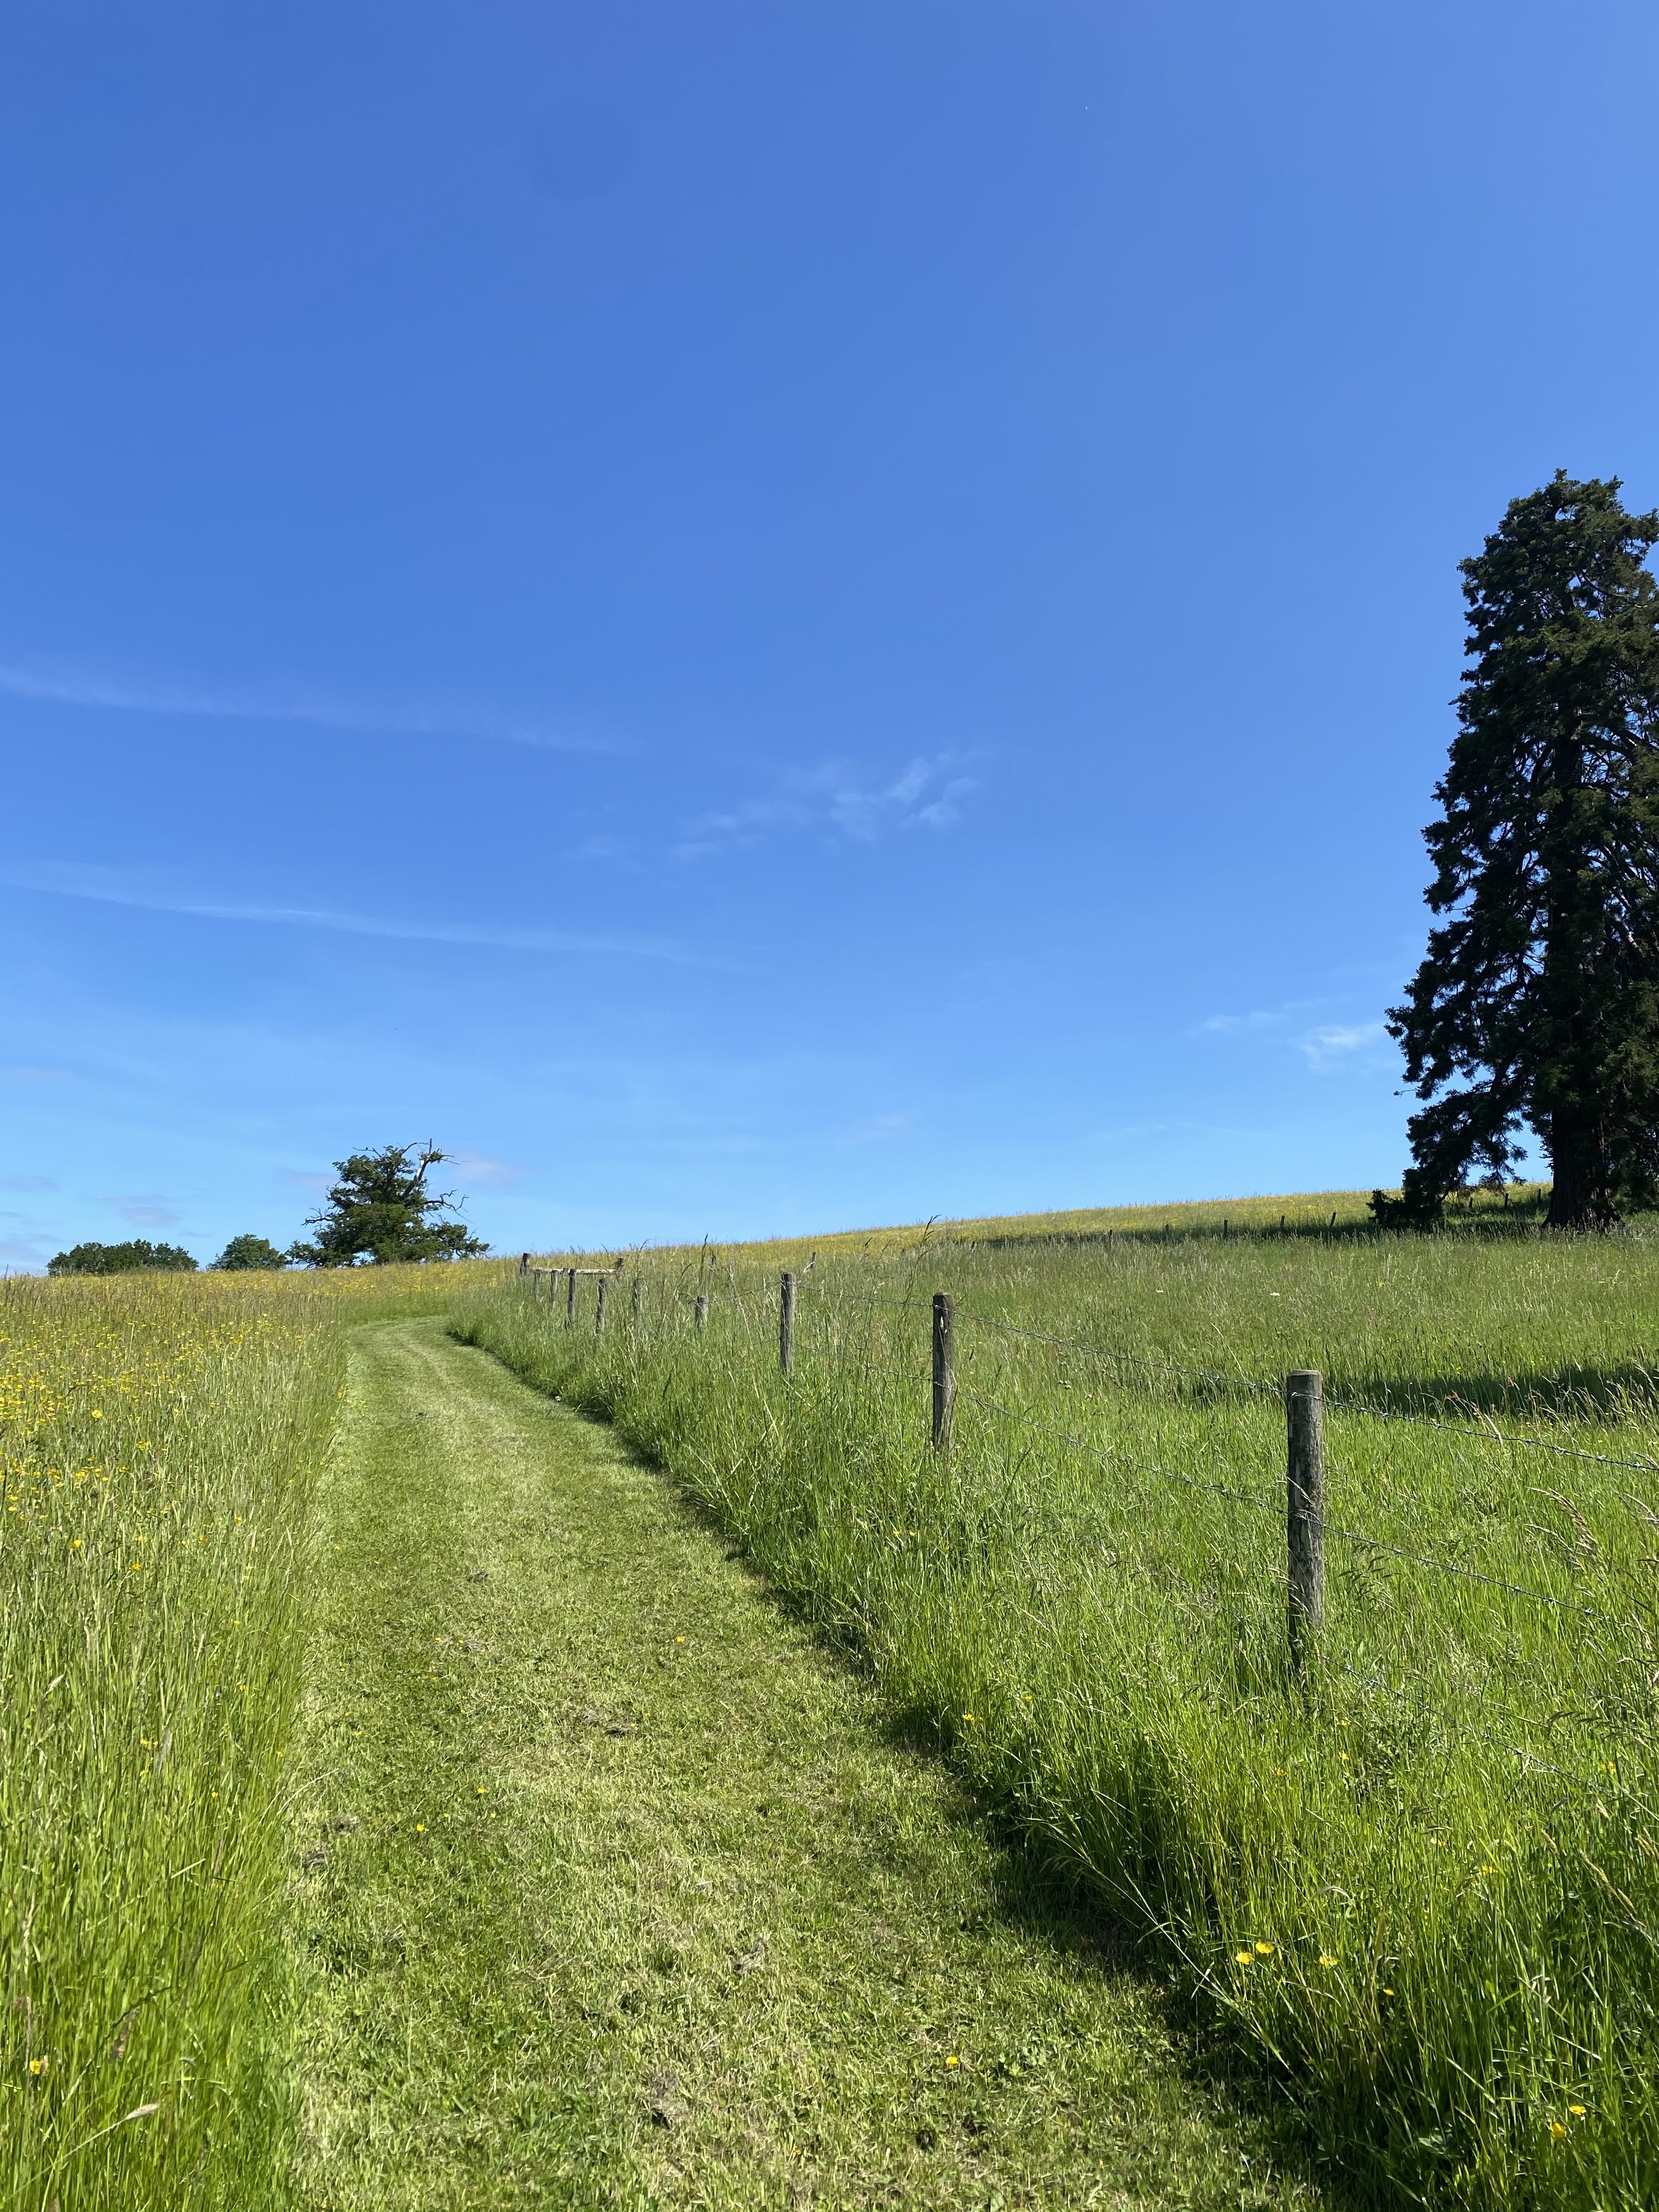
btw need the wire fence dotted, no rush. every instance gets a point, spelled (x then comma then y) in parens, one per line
(1308, 1528)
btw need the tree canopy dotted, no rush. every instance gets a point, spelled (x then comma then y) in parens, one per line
(121, 1259)
(380, 1210)
(244, 1252)
(1538, 1003)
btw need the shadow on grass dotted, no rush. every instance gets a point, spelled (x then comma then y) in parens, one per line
(1048, 1898)
(1051, 1901)
(1611, 1394)
(1622, 1391)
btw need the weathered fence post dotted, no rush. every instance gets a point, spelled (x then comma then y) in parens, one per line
(786, 1323)
(570, 1297)
(598, 1311)
(702, 1311)
(524, 1264)
(636, 1299)
(1304, 1422)
(945, 1369)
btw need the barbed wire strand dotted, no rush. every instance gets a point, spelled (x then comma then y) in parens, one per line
(1331, 1527)
(1613, 1786)
(1488, 1436)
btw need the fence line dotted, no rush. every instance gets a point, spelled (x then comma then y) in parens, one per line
(1119, 1458)
(1306, 1525)
(1168, 1474)
(1489, 1434)
(1264, 1504)
(1597, 1786)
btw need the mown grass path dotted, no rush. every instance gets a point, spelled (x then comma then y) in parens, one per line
(615, 1893)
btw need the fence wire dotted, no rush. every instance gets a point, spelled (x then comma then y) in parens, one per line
(1489, 1434)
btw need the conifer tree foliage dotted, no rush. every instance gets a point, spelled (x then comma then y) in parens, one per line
(381, 1210)
(1538, 1004)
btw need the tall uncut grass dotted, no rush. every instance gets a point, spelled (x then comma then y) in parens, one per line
(160, 1439)
(1419, 1884)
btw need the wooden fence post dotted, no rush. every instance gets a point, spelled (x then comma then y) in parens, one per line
(524, 1264)
(786, 1323)
(945, 1369)
(570, 1297)
(702, 1311)
(598, 1311)
(1305, 1421)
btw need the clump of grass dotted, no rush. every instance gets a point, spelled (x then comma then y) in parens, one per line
(159, 1439)
(1420, 1880)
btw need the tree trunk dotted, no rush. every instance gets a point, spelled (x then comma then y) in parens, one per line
(1579, 1198)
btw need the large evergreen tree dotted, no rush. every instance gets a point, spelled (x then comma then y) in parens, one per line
(1538, 1003)
(381, 1210)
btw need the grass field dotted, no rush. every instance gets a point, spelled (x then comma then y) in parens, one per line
(616, 1892)
(1413, 1892)
(1421, 1885)
(159, 1440)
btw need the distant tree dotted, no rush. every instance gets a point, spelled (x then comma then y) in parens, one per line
(381, 1210)
(1540, 995)
(121, 1259)
(244, 1252)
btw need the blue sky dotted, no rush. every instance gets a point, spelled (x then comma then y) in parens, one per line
(762, 616)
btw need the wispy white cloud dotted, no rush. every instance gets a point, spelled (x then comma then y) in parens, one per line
(1326, 1047)
(119, 887)
(26, 1255)
(477, 1168)
(879, 1129)
(67, 687)
(1341, 1044)
(833, 801)
(27, 1183)
(146, 1210)
(1280, 1017)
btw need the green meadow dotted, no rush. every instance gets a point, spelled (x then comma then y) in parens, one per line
(161, 1439)
(415, 1795)
(1416, 1884)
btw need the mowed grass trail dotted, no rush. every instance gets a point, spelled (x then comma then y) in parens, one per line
(615, 1893)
